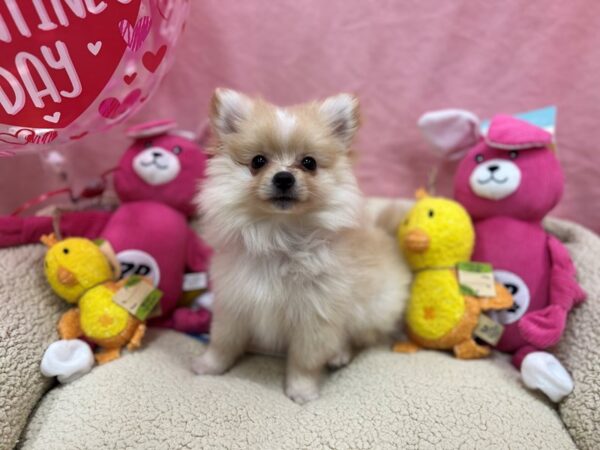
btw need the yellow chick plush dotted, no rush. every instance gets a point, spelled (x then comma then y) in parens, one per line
(436, 235)
(81, 273)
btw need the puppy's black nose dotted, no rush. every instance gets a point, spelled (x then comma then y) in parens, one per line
(283, 180)
(156, 154)
(493, 168)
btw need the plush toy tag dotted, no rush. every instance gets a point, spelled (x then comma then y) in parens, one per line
(138, 297)
(110, 255)
(488, 330)
(195, 281)
(476, 279)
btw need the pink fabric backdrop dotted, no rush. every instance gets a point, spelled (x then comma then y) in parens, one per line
(402, 58)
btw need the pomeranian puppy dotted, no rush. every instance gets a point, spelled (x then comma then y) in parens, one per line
(299, 266)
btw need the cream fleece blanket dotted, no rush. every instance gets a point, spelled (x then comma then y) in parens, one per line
(150, 399)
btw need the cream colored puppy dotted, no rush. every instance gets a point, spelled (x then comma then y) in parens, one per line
(299, 267)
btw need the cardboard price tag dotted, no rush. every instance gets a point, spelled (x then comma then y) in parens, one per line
(195, 281)
(476, 279)
(138, 296)
(488, 330)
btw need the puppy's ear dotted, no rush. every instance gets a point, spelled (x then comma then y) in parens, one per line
(342, 115)
(228, 110)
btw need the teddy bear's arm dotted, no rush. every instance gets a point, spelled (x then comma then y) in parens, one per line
(564, 289)
(543, 328)
(198, 253)
(69, 326)
(28, 230)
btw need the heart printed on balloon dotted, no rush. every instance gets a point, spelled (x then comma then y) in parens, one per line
(26, 136)
(134, 36)
(52, 76)
(112, 108)
(130, 77)
(19, 137)
(152, 60)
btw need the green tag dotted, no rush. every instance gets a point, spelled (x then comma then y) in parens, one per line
(133, 280)
(476, 279)
(148, 304)
(138, 296)
(488, 330)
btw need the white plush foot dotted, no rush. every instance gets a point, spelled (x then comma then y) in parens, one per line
(302, 389)
(67, 360)
(541, 370)
(340, 360)
(209, 364)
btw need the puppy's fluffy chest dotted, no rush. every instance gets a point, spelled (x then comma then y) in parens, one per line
(293, 280)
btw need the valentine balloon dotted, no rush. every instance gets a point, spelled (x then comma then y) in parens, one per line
(73, 67)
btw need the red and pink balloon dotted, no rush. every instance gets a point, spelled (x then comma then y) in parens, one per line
(73, 67)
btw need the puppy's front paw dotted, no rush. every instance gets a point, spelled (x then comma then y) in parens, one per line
(302, 390)
(208, 364)
(342, 359)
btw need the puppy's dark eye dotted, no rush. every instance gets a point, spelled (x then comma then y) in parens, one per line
(431, 213)
(309, 163)
(66, 251)
(258, 161)
(513, 155)
(479, 157)
(147, 144)
(177, 149)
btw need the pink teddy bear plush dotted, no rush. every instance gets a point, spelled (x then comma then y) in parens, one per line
(156, 179)
(508, 181)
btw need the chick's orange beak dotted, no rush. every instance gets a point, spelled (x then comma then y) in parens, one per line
(66, 277)
(416, 241)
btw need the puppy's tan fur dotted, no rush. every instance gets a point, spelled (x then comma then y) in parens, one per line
(313, 277)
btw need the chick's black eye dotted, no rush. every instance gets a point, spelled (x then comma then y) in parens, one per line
(177, 149)
(513, 155)
(258, 161)
(309, 163)
(66, 251)
(479, 158)
(431, 213)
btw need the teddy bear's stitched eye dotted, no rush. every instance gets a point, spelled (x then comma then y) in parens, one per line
(258, 161)
(431, 213)
(177, 149)
(66, 251)
(479, 158)
(513, 155)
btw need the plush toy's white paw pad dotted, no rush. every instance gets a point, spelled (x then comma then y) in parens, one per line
(67, 359)
(541, 370)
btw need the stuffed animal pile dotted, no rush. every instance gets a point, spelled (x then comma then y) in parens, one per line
(508, 180)
(156, 180)
(82, 273)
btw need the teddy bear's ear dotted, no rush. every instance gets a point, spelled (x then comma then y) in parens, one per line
(450, 131)
(150, 129)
